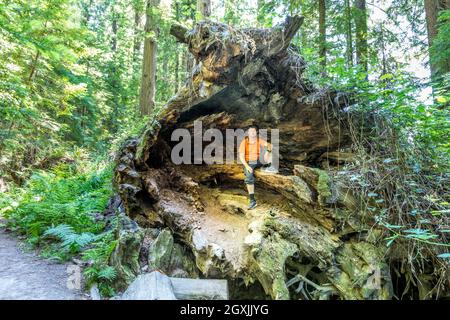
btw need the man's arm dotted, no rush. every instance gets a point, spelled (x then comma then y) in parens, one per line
(268, 153)
(266, 144)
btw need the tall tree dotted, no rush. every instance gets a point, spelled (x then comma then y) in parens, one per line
(348, 34)
(177, 54)
(322, 34)
(148, 81)
(138, 11)
(204, 8)
(360, 16)
(432, 10)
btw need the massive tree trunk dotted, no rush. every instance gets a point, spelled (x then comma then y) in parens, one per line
(148, 81)
(306, 239)
(360, 12)
(432, 10)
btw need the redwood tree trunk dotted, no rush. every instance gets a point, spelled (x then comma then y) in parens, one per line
(322, 34)
(348, 35)
(148, 81)
(432, 10)
(360, 13)
(137, 24)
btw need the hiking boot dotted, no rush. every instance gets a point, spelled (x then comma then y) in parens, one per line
(270, 169)
(252, 204)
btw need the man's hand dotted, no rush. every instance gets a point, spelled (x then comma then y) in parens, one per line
(249, 169)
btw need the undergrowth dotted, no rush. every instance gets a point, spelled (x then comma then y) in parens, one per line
(401, 170)
(59, 213)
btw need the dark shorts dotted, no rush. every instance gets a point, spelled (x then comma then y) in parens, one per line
(250, 177)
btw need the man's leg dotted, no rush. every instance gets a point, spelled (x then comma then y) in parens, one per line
(250, 183)
(251, 193)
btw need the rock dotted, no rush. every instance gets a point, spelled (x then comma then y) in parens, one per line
(158, 286)
(95, 293)
(150, 286)
(200, 289)
(319, 181)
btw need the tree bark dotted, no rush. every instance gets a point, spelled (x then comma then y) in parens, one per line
(148, 81)
(348, 35)
(34, 66)
(114, 32)
(137, 7)
(432, 10)
(177, 54)
(204, 8)
(360, 14)
(322, 35)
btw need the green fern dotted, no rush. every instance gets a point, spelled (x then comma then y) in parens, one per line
(107, 274)
(71, 241)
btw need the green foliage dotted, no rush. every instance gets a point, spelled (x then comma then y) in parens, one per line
(57, 209)
(440, 49)
(61, 83)
(99, 271)
(400, 137)
(70, 240)
(61, 202)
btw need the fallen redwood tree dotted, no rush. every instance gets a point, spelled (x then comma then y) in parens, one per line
(306, 239)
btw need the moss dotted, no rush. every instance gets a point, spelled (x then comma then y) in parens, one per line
(147, 138)
(268, 265)
(365, 274)
(161, 251)
(125, 258)
(323, 184)
(180, 259)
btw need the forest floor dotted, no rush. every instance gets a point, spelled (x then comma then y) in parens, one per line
(25, 276)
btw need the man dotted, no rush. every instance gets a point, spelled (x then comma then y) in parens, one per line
(250, 151)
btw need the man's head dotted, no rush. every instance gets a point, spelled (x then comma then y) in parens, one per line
(252, 131)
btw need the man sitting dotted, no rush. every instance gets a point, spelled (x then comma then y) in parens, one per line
(250, 150)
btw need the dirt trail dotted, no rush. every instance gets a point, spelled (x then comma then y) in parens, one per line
(24, 276)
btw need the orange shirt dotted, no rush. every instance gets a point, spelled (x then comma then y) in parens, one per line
(251, 150)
